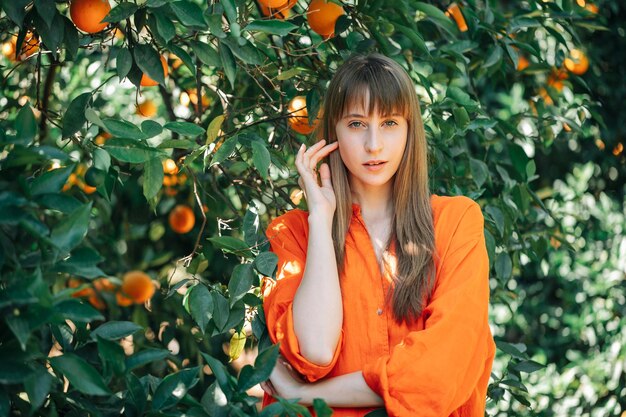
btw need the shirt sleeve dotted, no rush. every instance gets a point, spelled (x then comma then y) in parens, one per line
(434, 371)
(288, 237)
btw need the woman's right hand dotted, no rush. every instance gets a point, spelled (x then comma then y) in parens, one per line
(320, 198)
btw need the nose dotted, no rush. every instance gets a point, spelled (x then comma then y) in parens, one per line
(373, 141)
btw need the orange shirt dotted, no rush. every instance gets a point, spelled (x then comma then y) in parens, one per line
(437, 366)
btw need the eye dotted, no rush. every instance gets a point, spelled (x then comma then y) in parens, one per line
(355, 124)
(390, 123)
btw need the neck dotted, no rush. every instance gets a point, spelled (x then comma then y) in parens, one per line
(376, 203)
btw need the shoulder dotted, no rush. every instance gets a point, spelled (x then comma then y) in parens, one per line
(292, 225)
(456, 219)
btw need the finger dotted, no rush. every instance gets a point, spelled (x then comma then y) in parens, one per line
(323, 153)
(325, 176)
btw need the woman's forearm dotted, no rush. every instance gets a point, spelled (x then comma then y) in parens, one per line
(317, 305)
(349, 390)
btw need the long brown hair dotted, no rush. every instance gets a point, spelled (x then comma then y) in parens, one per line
(390, 90)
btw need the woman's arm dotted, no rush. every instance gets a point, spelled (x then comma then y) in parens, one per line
(349, 390)
(318, 329)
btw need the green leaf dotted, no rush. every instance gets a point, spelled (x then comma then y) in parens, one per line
(214, 129)
(480, 171)
(379, 412)
(184, 56)
(149, 62)
(528, 366)
(230, 244)
(266, 263)
(461, 97)
(78, 311)
(46, 10)
(115, 330)
(101, 159)
(246, 52)
(215, 25)
(151, 128)
(121, 12)
(437, 16)
(240, 282)
(129, 150)
(321, 408)
(25, 124)
(494, 56)
(516, 350)
(220, 373)
(70, 39)
(91, 116)
(200, 305)
(220, 310)
(414, 36)
(74, 117)
(53, 36)
(20, 328)
(261, 158)
(152, 178)
(145, 356)
(498, 217)
(273, 26)
(228, 62)
(165, 27)
(263, 366)
(70, 232)
(112, 356)
(174, 387)
(188, 13)
(82, 263)
(123, 129)
(51, 181)
(227, 148)
(38, 386)
(206, 54)
(123, 63)
(16, 10)
(503, 266)
(177, 144)
(461, 117)
(81, 375)
(184, 128)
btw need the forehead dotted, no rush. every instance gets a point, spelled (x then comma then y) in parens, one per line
(361, 101)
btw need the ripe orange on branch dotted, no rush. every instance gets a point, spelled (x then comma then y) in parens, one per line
(455, 11)
(181, 219)
(272, 3)
(147, 108)
(138, 286)
(299, 116)
(87, 15)
(577, 62)
(281, 12)
(322, 16)
(146, 81)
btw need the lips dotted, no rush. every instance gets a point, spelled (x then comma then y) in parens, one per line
(374, 162)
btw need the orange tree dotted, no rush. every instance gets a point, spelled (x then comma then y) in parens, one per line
(169, 208)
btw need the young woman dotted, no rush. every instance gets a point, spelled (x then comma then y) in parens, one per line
(382, 289)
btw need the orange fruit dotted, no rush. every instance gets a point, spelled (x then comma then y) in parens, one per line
(322, 17)
(592, 8)
(147, 108)
(543, 93)
(169, 167)
(299, 116)
(455, 12)
(600, 144)
(618, 149)
(103, 284)
(272, 3)
(169, 180)
(8, 48)
(30, 46)
(577, 62)
(175, 61)
(170, 192)
(87, 293)
(149, 82)
(87, 15)
(522, 63)
(122, 300)
(101, 138)
(138, 286)
(280, 12)
(182, 219)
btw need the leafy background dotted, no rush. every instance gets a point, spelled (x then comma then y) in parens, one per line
(542, 155)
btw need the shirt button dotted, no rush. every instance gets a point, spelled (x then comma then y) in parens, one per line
(379, 311)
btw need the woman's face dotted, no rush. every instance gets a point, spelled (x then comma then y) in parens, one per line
(371, 147)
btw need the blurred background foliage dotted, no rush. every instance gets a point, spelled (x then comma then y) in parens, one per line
(141, 158)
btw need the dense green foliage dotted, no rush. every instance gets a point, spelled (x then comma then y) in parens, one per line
(538, 152)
